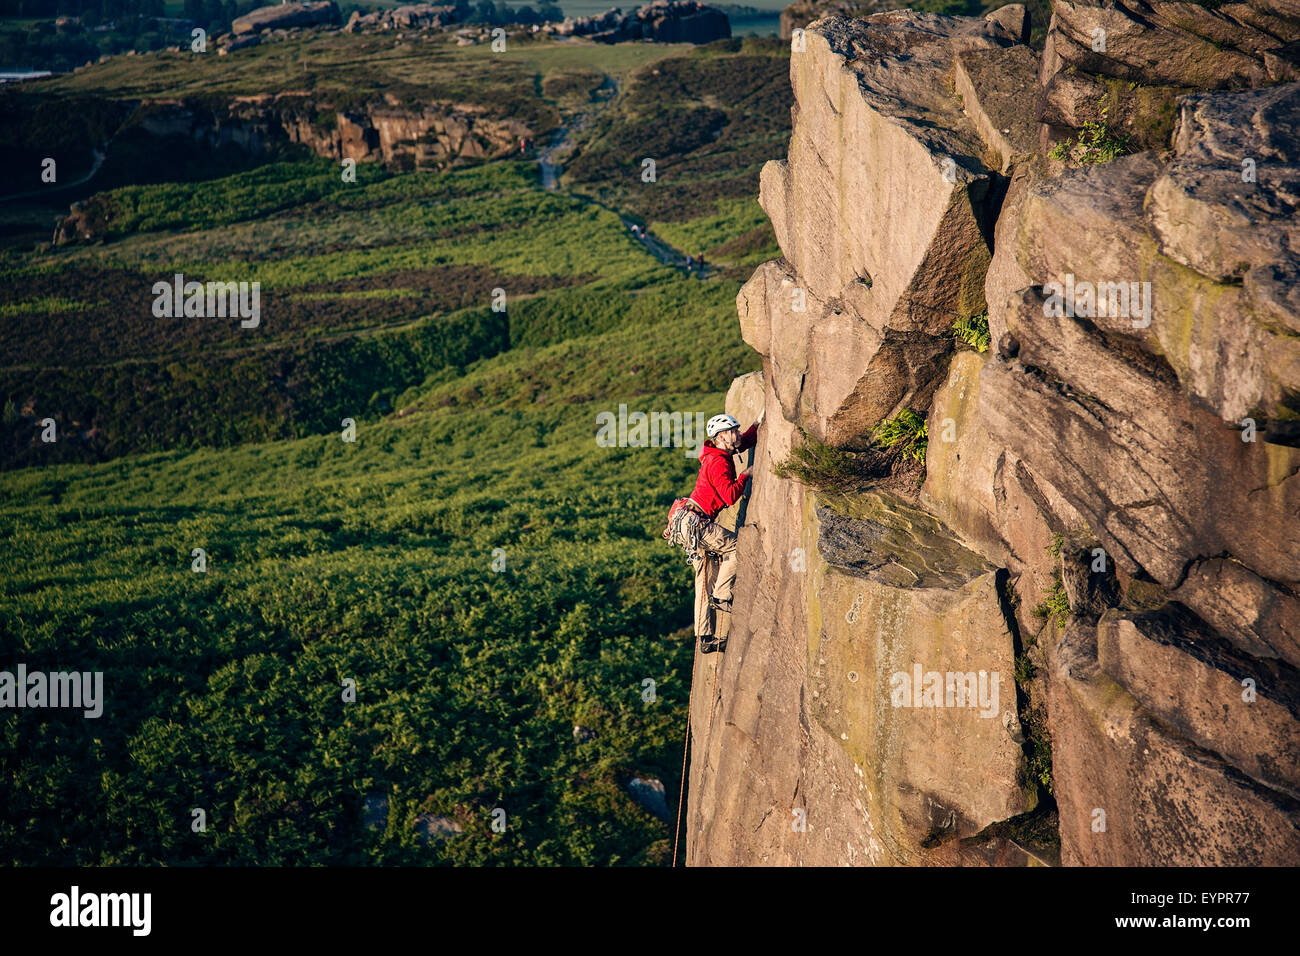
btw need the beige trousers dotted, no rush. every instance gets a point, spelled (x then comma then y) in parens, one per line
(715, 573)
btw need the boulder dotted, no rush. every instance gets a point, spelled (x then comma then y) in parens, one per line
(1176, 44)
(297, 13)
(881, 211)
(375, 814)
(1014, 19)
(1088, 575)
(239, 43)
(431, 828)
(650, 795)
(1133, 793)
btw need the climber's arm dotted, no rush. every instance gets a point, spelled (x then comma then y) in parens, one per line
(748, 439)
(728, 489)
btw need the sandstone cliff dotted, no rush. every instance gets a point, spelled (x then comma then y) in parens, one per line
(1100, 564)
(434, 134)
(428, 136)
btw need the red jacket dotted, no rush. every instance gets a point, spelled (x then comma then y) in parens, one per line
(717, 487)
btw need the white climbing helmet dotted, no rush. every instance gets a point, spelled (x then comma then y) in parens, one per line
(720, 423)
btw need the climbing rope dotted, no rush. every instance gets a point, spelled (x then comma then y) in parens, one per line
(686, 745)
(713, 697)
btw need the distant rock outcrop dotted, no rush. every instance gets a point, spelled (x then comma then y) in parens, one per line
(417, 16)
(432, 136)
(1110, 514)
(282, 16)
(663, 21)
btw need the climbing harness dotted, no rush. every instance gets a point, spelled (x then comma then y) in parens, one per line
(686, 520)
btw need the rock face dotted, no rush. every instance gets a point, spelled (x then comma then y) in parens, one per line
(877, 268)
(434, 136)
(438, 134)
(1109, 517)
(650, 795)
(799, 15)
(1133, 59)
(282, 16)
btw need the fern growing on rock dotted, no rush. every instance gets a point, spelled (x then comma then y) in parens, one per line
(973, 331)
(1056, 603)
(907, 431)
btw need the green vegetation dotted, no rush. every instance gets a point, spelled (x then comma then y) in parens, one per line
(1146, 114)
(1025, 670)
(1058, 541)
(486, 574)
(709, 120)
(1032, 711)
(973, 331)
(372, 562)
(1095, 143)
(1038, 739)
(1033, 721)
(820, 466)
(907, 431)
(141, 383)
(1055, 607)
(739, 234)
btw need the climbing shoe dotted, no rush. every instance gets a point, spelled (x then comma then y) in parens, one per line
(712, 643)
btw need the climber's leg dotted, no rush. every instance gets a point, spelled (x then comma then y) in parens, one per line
(722, 546)
(703, 580)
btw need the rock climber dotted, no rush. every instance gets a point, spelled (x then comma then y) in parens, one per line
(711, 548)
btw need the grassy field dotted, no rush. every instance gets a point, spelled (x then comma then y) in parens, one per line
(709, 121)
(486, 574)
(343, 69)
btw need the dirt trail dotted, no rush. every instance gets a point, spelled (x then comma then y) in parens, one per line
(100, 154)
(551, 161)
